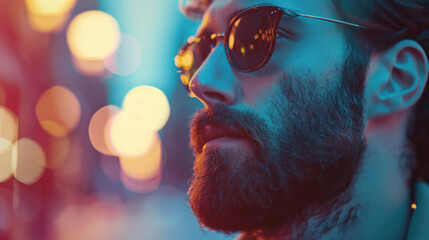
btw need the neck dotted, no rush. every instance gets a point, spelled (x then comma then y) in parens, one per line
(380, 198)
(383, 185)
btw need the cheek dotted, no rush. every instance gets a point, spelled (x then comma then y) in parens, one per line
(272, 107)
(256, 90)
(322, 56)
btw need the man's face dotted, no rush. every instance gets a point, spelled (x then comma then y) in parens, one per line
(276, 145)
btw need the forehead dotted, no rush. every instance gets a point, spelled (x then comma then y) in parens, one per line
(222, 11)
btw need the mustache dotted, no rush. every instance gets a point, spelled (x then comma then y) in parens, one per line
(253, 127)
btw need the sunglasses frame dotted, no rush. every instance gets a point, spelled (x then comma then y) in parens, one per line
(275, 14)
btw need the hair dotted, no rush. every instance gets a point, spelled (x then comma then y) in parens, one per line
(388, 22)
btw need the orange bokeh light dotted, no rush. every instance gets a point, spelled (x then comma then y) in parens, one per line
(144, 167)
(148, 105)
(58, 111)
(93, 35)
(59, 149)
(28, 161)
(97, 129)
(128, 136)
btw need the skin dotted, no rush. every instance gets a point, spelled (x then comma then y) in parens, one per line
(395, 80)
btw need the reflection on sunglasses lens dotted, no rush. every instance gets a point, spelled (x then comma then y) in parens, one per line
(250, 40)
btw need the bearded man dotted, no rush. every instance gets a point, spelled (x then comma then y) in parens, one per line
(316, 118)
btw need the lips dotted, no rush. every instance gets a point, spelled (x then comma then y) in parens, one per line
(211, 132)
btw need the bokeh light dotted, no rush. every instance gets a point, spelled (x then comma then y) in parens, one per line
(93, 35)
(95, 218)
(28, 161)
(47, 23)
(97, 129)
(58, 111)
(49, 7)
(58, 150)
(126, 59)
(8, 125)
(92, 67)
(128, 136)
(148, 105)
(140, 185)
(144, 167)
(6, 147)
(70, 169)
(49, 15)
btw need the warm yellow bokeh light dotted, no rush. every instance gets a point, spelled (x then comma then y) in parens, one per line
(49, 7)
(98, 126)
(28, 161)
(8, 125)
(58, 111)
(6, 148)
(49, 15)
(128, 136)
(144, 167)
(89, 67)
(93, 35)
(149, 106)
(47, 24)
(414, 206)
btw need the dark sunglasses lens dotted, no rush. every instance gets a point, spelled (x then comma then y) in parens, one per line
(191, 57)
(250, 41)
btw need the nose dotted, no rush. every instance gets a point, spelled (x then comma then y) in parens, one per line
(215, 82)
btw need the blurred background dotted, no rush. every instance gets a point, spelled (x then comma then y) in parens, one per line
(94, 121)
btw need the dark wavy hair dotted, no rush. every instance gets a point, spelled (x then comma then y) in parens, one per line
(388, 22)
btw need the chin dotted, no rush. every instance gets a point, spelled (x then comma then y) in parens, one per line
(232, 191)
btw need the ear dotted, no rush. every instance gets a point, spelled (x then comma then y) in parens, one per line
(396, 78)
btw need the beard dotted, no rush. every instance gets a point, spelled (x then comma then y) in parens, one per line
(303, 155)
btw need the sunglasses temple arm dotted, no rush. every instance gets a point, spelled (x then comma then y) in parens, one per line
(326, 19)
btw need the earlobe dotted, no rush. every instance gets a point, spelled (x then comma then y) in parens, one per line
(399, 79)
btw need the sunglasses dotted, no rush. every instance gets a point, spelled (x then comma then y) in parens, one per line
(249, 41)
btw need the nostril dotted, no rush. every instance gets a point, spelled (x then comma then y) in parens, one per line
(215, 96)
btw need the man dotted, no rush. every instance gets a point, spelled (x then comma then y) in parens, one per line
(315, 123)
